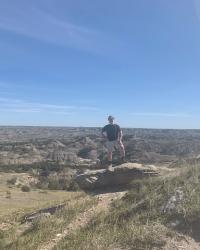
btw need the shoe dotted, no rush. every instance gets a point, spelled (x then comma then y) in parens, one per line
(110, 168)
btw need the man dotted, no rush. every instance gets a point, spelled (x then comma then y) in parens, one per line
(112, 133)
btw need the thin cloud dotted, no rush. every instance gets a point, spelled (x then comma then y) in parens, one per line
(63, 113)
(19, 110)
(33, 22)
(197, 8)
(20, 106)
(161, 114)
(5, 100)
(61, 107)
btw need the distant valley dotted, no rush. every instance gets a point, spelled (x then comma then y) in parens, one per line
(81, 147)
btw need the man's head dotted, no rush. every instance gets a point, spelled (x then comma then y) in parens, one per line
(111, 119)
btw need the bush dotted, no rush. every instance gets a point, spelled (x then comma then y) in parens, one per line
(84, 153)
(12, 181)
(25, 188)
(73, 186)
(8, 194)
(54, 184)
(56, 180)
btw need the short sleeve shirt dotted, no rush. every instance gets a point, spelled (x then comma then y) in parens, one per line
(112, 131)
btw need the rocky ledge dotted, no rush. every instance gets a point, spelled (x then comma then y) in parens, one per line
(121, 175)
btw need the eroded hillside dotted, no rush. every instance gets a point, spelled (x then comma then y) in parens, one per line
(158, 209)
(81, 147)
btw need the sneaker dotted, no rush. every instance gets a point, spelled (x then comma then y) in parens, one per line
(110, 168)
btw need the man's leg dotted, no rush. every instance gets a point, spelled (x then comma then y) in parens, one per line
(109, 146)
(109, 167)
(110, 157)
(122, 151)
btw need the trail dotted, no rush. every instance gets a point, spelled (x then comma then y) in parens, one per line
(104, 202)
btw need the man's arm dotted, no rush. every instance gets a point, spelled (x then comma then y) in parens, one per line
(120, 134)
(103, 133)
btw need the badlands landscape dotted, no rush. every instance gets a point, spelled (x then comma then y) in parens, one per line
(69, 146)
(55, 192)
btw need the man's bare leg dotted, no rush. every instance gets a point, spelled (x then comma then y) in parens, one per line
(110, 161)
(122, 151)
(110, 157)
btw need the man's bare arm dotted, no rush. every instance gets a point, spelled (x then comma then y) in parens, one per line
(120, 135)
(104, 134)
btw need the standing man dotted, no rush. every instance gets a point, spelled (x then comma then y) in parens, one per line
(112, 133)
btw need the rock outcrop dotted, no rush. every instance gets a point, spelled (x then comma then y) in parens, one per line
(45, 212)
(122, 175)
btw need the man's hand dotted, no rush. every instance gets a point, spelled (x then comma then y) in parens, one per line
(104, 139)
(119, 140)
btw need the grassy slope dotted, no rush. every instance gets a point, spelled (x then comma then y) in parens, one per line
(12, 209)
(24, 202)
(137, 221)
(18, 236)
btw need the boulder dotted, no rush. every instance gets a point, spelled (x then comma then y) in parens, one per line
(121, 175)
(42, 213)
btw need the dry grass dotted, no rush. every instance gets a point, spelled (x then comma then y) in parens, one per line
(137, 221)
(40, 231)
(15, 205)
(21, 202)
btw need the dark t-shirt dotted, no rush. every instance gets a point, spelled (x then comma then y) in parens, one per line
(112, 131)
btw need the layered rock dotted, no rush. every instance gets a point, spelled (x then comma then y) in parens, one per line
(122, 175)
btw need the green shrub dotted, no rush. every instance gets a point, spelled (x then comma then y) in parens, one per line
(54, 184)
(12, 181)
(73, 186)
(25, 188)
(57, 180)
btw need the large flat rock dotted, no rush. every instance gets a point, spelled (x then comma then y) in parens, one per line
(122, 175)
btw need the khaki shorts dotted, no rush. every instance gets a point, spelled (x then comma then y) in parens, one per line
(110, 145)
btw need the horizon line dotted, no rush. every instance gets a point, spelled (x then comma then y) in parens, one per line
(68, 126)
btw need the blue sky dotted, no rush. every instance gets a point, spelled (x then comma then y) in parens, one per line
(71, 63)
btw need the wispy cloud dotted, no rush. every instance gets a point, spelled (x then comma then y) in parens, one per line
(28, 19)
(197, 8)
(161, 114)
(21, 106)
